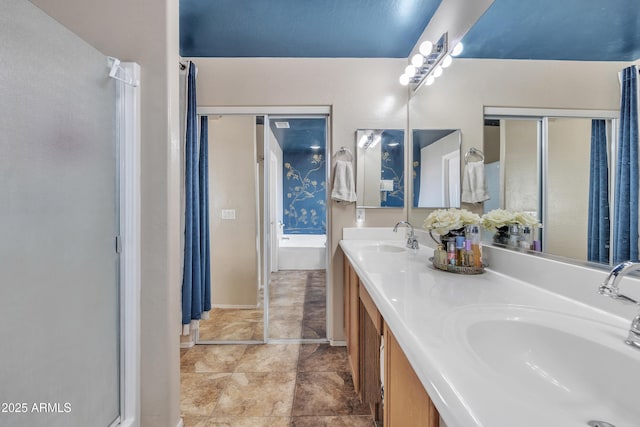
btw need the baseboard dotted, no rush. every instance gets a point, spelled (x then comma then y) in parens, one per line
(241, 307)
(187, 344)
(180, 423)
(338, 343)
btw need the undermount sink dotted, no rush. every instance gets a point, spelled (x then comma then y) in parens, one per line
(577, 366)
(383, 247)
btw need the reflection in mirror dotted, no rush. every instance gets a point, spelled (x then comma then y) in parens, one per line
(380, 168)
(554, 188)
(436, 168)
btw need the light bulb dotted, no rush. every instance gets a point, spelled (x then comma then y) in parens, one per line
(457, 50)
(404, 80)
(417, 60)
(447, 61)
(425, 48)
(429, 80)
(437, 72)
(410, 71)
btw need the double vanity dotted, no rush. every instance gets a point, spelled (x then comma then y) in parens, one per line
(531, 342)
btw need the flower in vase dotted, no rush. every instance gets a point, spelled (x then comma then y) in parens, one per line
(442, 221)
(501, 218)
(526, 219)
(498, 218)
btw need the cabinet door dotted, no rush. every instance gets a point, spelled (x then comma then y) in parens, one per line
(370, 340)
(406, 403)
(351, 320)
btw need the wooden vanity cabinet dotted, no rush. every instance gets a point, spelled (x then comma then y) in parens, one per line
(406, 403)
(370, 341)
(351, 321)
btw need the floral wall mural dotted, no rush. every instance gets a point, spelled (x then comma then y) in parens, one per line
(393, 167)
(304, 192)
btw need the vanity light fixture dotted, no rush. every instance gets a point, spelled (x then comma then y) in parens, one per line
(315, 147)
(427, 65)
(370, 139)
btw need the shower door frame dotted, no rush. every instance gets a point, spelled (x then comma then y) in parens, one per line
(268, 112)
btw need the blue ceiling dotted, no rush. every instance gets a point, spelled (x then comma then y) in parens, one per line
(579, 30)
(301, 135)
(298, 28)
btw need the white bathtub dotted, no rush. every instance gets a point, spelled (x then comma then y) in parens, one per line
(302, 252)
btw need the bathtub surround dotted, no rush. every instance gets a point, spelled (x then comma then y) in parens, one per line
(302, 252)
(304, 192)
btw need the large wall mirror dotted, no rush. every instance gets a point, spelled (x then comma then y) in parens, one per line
(535, 160)
(380, 168)
(435, 163)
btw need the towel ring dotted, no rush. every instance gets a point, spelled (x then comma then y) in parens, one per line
(473, 152)
(345, 151)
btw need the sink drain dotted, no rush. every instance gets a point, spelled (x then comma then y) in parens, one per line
(600, 424)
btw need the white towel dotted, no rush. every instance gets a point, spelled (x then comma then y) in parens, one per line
(474, 187)
(343, 182)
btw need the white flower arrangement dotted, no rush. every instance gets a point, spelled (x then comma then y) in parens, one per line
(443, 221)
(498, 218)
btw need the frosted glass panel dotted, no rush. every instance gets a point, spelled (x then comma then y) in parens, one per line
(59, 320)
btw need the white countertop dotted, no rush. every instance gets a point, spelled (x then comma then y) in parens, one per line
(426, 309)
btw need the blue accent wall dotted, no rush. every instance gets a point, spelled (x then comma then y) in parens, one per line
(393, 167)
(305, 192)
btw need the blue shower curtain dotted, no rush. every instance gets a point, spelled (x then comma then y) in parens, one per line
(196, 289)
(599, 228)
(625, 225)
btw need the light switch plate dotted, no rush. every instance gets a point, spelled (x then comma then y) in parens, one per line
(360, 216)
(228, 214)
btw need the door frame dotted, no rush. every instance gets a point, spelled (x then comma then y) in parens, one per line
(128, 244)
(268, 111)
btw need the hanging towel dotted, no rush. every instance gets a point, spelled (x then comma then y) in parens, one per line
(343, 182)
(474, 187)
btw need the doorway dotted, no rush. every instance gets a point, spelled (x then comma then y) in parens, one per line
(268, 193)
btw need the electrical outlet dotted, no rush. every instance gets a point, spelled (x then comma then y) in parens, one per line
(228, 214)
(360, 216)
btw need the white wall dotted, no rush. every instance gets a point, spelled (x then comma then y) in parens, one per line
(362, 93)
(146, 32)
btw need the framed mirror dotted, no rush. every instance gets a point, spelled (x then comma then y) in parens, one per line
(380, 168)
(435, 164)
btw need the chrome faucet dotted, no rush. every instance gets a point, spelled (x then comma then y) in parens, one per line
(412, 242)
(610, 288)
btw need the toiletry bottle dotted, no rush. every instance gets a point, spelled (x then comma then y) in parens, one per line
(459, 250)
(441, 255)
(514, 236)
(468, 252)
(474, 236)
(451, 252)
(526, 240)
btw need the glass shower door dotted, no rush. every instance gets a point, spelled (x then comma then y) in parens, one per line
(59, 293)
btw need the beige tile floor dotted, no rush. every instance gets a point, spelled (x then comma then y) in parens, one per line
(300, 385)
(297, 309)
(271, 385)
